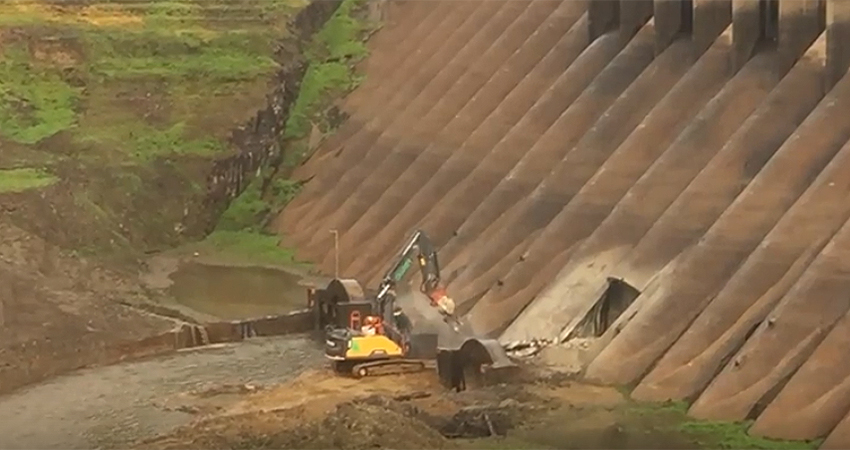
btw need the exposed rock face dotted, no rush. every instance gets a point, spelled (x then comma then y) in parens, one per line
(258, 140)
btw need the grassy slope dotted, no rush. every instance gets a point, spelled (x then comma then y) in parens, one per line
(111, 99)
(637, 425)
(672, 417)
(19, 180)
(136, 80)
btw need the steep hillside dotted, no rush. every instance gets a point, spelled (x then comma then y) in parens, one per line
(126, 128)
(666, 178)
(108, 106)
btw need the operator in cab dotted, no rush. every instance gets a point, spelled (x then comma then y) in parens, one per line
(370, 326)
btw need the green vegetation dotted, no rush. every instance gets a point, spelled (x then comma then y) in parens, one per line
(249, 211)
(19, 180)
(186, 54)
(145, 142)
(283, 191)
(246, 211)
(120, 75)
(137, 94)
(127, 89)
(240, 229)
(330, 74)
(732, 435)
(34, 105)
(250, 246)
(713, 434)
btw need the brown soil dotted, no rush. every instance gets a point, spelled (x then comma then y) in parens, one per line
(60, 313)
(322, 410)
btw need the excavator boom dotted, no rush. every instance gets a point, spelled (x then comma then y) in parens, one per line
(420, 249)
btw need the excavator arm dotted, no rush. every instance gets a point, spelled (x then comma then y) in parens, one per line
(421, 251)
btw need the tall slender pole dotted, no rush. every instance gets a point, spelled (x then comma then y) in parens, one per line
(336, 253)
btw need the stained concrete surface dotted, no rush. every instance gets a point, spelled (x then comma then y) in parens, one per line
(705, 197)
(623, 167)
(460, 114)
(468, 45)
(343, 207)
(582, 274)
(425, 178)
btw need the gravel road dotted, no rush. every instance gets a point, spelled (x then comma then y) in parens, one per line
(113, 406)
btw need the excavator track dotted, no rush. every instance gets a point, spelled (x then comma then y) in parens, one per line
(390, 367)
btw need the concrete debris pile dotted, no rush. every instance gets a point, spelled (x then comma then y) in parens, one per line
(527, 349)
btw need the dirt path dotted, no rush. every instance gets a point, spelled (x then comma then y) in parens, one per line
(112, 406)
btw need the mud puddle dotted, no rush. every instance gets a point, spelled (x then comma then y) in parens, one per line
(236, 292)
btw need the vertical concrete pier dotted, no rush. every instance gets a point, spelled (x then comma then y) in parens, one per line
(602, 17)
(672, 17)
(746, 29)
(837, 40)
(633, 15)
(710, 18)
(800, 23)
(608, 15)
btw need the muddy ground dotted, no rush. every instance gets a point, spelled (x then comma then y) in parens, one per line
(322, 410)
(280, 393)
(59, 312)
(114, 406)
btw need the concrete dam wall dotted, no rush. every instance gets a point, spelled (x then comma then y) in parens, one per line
(668, 177)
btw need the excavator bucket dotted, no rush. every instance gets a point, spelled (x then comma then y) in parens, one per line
(455, 334)
(474, 356)
(487, 352)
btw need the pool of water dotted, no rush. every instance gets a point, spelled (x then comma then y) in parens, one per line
(237, 292)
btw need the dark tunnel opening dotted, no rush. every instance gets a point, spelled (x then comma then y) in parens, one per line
(618, 296)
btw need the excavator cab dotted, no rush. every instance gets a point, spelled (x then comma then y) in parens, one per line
(358, 338)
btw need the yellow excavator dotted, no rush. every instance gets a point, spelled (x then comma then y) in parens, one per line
(372, 336)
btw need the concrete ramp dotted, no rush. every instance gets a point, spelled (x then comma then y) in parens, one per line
(762, 364)
(818, 392)
(666, 178)
(696, 277)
